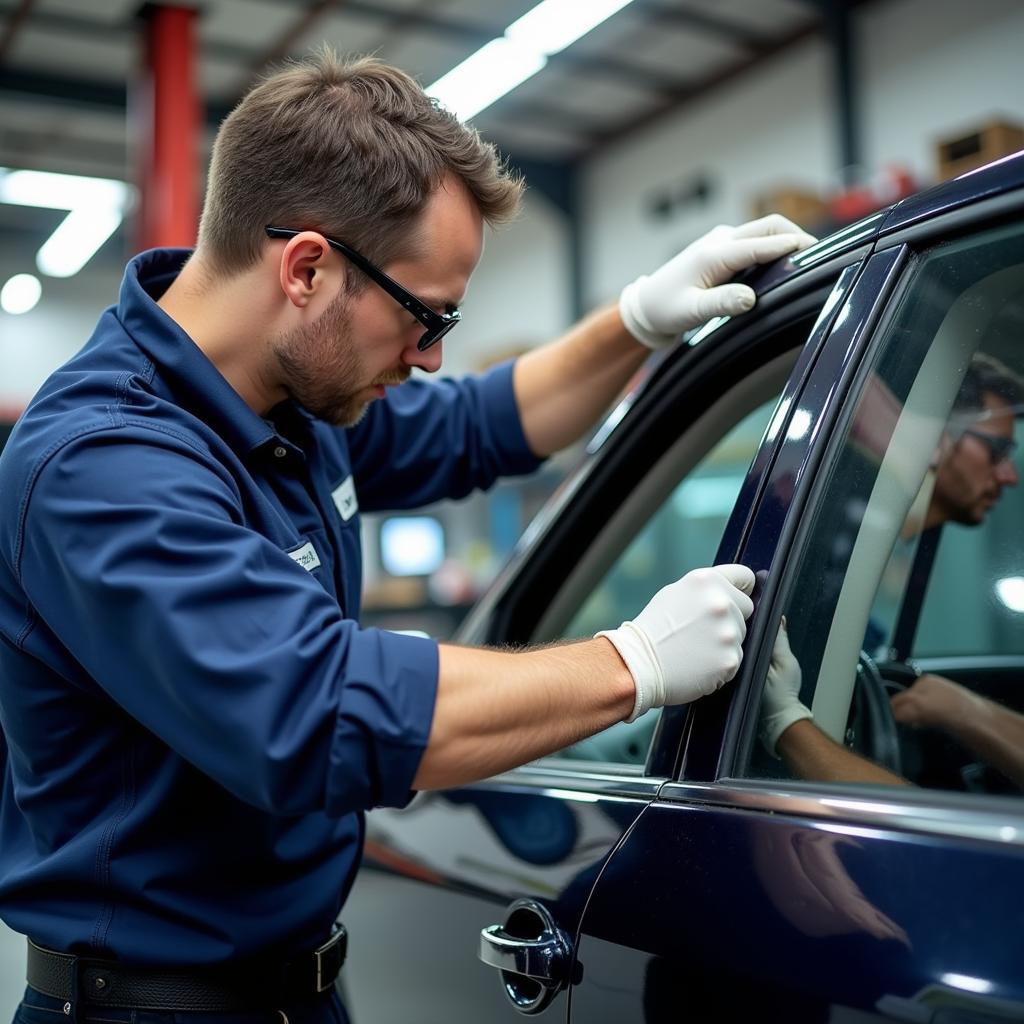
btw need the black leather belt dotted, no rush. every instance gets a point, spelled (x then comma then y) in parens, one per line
(255, 986)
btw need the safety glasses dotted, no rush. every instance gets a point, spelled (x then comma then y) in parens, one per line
(437, 324)
(1000, 448)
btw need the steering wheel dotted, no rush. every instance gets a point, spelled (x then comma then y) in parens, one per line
(871, 728)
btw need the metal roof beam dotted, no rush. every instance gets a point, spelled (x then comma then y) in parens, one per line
(692, 20)
(690, 93)
(14, 22)
(89, 93)
(550, 116)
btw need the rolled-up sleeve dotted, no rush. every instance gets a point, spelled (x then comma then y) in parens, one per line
(135, 555)
(428, 441)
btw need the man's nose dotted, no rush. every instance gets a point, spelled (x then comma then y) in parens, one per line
(430, 361)
(1006, 473)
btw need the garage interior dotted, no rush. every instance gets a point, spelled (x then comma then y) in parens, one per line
(659, 122)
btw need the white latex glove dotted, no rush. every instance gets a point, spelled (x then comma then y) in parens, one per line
(688, 641)
(780, 705)
(690, 288)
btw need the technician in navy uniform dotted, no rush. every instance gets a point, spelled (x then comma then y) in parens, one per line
(195, 720)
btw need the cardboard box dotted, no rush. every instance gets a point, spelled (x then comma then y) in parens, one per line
(802, 207)
(976, 147)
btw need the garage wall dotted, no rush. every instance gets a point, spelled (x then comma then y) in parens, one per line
(934, 67)
(768, 125)
(927, 68)
(520, 294)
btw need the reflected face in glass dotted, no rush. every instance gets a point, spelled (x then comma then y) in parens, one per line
(974, 470)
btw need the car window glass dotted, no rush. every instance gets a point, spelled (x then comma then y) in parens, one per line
(682, 534)
(914, 558)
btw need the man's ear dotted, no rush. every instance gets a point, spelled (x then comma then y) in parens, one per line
(306, 268)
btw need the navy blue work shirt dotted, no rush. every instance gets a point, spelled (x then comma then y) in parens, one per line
(194, 720)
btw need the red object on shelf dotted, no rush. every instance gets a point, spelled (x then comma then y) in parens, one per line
(888, 186)
(853, 204)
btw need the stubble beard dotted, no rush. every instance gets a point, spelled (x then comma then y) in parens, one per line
(322, 368)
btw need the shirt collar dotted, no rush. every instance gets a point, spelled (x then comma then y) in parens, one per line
(179, 360)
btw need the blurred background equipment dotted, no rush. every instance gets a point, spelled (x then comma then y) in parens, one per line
(976, 147)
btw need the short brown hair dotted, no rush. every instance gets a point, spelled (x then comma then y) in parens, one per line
(353, 148)
(986, 375)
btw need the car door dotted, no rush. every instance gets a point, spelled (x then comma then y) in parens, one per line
(823, 880)
(517, 856)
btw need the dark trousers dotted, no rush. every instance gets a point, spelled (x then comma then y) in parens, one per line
(36, 1008)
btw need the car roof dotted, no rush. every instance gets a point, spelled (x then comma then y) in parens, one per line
(993, 179)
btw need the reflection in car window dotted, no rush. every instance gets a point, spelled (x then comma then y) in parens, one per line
(915, 554)
(683, 534)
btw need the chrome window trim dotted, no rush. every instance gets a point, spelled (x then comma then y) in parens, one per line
(581, 784)
(999, 820)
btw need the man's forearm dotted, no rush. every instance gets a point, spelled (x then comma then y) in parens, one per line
(811, 754)
(562, 388)
(994, 733)
(497, 710)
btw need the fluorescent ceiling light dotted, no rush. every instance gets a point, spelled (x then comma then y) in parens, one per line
(554, 24)
(502, 64)
(95, 209)
(76, 240)
(20, 294)
(60, 191)
(481, 78)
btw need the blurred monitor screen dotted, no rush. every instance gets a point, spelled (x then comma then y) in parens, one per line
(411, 545)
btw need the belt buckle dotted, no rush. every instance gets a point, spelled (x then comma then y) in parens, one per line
(329, 958)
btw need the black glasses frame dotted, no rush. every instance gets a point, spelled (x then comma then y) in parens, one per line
(1000, 449)
(437, 324)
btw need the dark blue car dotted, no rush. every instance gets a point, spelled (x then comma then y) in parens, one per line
(852, 440)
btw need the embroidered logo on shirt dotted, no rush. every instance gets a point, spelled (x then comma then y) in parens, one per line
(306, 556)
(344, 496)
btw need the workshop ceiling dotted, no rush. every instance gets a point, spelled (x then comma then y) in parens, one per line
(66, 65)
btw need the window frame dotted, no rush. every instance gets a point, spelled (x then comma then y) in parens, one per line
(904, 248)
(724, 725)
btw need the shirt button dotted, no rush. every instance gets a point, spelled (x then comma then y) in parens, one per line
(280, 452)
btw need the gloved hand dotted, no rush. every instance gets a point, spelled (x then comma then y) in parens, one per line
(690, 288)
(780, 705)
(687, 641)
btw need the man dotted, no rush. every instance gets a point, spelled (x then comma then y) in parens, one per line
(972, 466)
(195, 720)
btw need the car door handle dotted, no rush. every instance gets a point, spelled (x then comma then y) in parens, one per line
(533, 955)
(543, 958)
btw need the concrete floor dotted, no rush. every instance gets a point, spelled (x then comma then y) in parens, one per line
(12, 971)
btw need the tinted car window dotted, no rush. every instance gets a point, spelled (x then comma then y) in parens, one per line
(915, 547)
(682, 534)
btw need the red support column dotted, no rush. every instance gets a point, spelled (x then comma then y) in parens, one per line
(165, 122)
